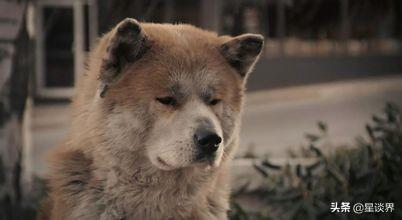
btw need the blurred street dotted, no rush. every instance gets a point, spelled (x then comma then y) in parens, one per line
(273, 120)
(49, 127)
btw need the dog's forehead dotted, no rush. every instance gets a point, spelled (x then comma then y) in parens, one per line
(200, 82)
(187, 57)
(183, 61)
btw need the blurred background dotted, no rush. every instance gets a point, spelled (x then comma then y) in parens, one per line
(331, 62)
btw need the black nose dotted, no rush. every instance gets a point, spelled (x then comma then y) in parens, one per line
(207, 141)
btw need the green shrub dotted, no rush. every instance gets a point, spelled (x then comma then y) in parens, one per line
(370, 172)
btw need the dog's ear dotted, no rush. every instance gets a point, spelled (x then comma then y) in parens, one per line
(127, 43)
(242, 52)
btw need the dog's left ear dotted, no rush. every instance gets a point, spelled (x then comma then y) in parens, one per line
(127, 43)
(242, 52)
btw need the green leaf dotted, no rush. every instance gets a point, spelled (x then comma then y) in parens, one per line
(268, 164)
(314, 166)
(322, 126)
(316, 151)
(312, 137)
(377, 119)
(261, 170)
(370, 132)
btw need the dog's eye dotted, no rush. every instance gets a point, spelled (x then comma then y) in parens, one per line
(167, 100)
(214, 101)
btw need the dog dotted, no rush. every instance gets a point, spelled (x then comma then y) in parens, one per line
(155, 124)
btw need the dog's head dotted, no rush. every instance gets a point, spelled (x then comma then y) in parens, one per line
(174, 92)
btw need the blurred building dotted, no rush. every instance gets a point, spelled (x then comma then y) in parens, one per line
(319, 40)
(65, 30)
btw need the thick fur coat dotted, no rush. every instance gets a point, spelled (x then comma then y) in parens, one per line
(133, 150)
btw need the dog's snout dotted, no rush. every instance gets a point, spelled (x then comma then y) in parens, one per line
(207, 141)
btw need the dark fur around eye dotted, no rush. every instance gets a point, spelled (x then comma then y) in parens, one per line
(214, 101)
(167, 100)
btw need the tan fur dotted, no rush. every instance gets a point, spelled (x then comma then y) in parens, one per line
(103, 169)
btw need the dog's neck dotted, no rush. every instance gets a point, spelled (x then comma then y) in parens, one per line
(150, 188)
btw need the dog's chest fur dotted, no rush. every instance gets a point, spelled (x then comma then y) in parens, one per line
(143, 193)
(154, 197)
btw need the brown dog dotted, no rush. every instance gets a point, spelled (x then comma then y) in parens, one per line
(156, 121)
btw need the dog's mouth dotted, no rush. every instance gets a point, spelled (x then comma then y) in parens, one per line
(198, 162)
(163, 164)
(208, 161)
(205, 159)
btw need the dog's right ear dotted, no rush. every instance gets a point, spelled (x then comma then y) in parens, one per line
(127, 43)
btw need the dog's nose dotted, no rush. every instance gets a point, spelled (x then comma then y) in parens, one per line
(207, 141)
